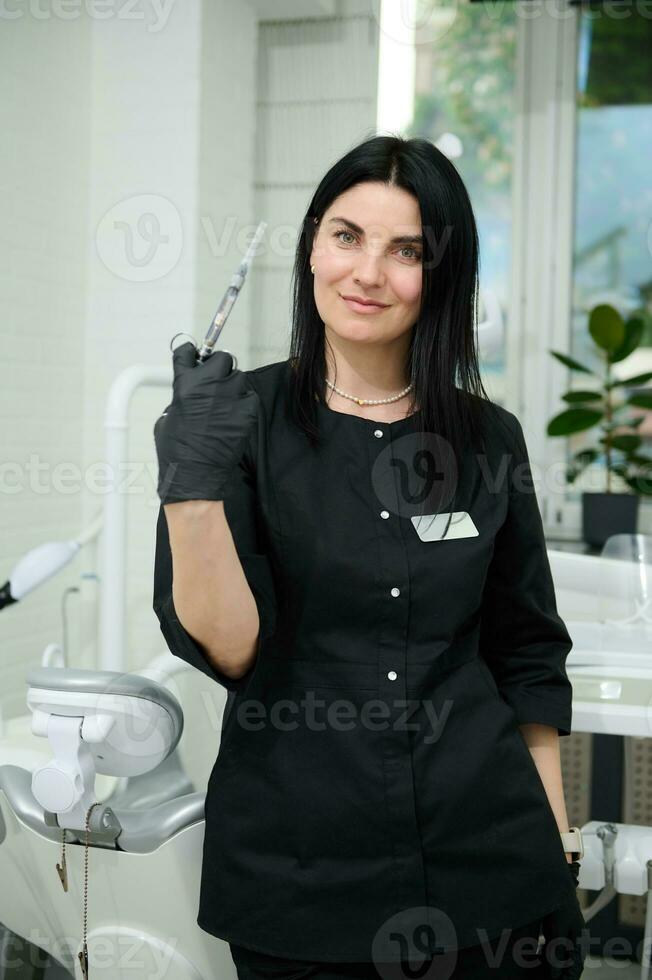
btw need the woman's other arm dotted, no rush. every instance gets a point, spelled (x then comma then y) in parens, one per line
(543, 743)
(524, 639)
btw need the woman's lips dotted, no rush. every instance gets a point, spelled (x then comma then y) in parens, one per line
(362, 307)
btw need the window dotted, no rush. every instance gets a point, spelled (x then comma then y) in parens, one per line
(548, 117)
(613, 198)
(463, 91)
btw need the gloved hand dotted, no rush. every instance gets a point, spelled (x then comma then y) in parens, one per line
(565, 935)
(201, 435)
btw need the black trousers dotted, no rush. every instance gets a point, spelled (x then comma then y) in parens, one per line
(512, 956)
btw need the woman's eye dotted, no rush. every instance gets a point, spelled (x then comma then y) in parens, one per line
(416, 255)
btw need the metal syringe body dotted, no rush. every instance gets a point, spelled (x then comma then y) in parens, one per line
(229, 297)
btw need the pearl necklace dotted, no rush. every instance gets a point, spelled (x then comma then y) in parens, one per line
(370, 401)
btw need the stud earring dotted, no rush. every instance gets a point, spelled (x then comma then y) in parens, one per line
(312, 269)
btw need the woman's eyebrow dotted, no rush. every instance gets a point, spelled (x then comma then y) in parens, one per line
(398, 240)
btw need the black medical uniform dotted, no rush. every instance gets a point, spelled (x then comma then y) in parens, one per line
(372, 793)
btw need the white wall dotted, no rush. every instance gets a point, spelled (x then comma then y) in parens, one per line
(126, 115)
(142, 156)
(316, 92)
(45, 112)
(181, 153)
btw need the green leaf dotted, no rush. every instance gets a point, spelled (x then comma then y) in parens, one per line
(580, 462)
(637, 379)
(641, 401)
(630, 421)
(582, 396)
(640, 484)
(626, 443)
(570, 362)
(607, 328)
(644, 461)
(633, 334)
(586, 456)
(573, 420)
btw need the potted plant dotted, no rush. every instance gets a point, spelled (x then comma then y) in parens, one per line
(607, 513)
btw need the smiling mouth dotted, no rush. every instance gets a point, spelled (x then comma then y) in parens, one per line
(363, 307)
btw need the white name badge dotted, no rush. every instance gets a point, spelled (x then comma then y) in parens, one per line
(431, 527)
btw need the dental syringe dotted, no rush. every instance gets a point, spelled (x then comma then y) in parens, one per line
(230, 297)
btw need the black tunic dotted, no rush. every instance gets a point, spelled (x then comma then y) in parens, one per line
(373, 795)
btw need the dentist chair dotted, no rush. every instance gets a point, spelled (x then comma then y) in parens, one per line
(115, 884)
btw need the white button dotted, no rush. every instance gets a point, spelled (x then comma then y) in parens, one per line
(378, 433)
(392, 675)
(384, 514)
(396, 591)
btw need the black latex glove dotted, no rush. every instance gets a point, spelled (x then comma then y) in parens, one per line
(565, 935)
(201, 435)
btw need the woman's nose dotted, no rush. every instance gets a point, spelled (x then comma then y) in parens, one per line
(369, 269)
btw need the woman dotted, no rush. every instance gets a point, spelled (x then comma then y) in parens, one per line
(359, 560)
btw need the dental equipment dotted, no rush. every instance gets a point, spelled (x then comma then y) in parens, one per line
(610, 663)
(618, 861)
(44, 561)
(613, 594)
(145, 856)
(129, 725)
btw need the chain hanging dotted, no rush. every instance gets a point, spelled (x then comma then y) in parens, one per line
(62, 871)
(83, 955)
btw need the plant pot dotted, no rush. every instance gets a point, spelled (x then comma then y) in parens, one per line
(604, 514)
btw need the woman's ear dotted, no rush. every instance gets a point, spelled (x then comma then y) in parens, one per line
(314, 239)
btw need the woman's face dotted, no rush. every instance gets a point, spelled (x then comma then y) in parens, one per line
(368, 263)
